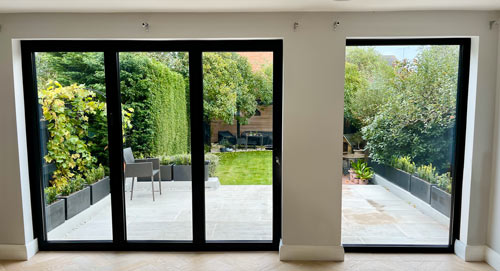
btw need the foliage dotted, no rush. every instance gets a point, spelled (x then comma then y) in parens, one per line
(213, 163)
(404, 163)
(95, 174)
(444, 182)
(362, 170)
(231, 90)
(417, 117)
(158, 97)
(427, 173)
(366, 72)
(178, 159)
(72, 185)
(51, 194)
(245, 168)
(365, 173)
(66, 111)
(358, 164)
(185, 159)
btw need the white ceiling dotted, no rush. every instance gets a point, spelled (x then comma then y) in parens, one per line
(240, 5)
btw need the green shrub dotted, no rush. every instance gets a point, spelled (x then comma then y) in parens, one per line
(444, 182)
(403, 163)
(213, 163)
(362, 170)
(51, 194)
(73, 185)
(185, 159)
(427, 173)
(94, 175)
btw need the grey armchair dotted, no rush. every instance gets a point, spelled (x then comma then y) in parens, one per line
(134, 168)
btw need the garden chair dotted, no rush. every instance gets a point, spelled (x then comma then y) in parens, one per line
(135, 168)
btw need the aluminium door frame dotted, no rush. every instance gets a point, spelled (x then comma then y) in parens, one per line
(111, 49)
(458, 155)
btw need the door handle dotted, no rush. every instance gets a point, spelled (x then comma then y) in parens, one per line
(278, 161)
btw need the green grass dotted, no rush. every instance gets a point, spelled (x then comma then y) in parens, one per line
(245, 168)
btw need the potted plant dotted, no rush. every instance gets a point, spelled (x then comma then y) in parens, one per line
(76, 196)
(365, 174)
(361, 173)
(182, 167)
(352, 171)
(421, 182)
(55, 213)
(400, 172)
(441, 194)
(98, 183)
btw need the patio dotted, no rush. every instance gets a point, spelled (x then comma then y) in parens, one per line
(371, 215)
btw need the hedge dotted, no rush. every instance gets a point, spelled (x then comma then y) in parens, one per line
(158, 97)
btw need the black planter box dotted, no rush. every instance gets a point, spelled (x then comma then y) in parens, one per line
(99, 190)
(441, 201)
(55, 214)
(420, 189)
(398, 177)
(77, 202)
(378, 168)
(165, 172)
(183, 172)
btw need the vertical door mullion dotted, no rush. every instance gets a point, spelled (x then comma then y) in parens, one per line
(277, 136)
(197, 145)
(115, 142)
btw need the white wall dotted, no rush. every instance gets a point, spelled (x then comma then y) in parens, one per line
(493, 237)
(313, 102)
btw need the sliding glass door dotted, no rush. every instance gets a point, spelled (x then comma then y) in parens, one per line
(171, 145)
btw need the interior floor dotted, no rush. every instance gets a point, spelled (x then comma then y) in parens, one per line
(234, 261)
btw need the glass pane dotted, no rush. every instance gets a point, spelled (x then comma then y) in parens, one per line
(399, 144)
(155, 102)
(74, 141)
(238, 122)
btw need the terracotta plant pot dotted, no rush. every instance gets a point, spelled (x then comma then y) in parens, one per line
(352, 175)
(363, 181)
(355, 181)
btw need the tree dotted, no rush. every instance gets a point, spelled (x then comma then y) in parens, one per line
(366, 74)
(418, 118)
(231, 91)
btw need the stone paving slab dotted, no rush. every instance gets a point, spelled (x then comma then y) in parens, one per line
(371, 215)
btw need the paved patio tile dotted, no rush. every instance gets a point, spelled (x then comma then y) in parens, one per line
(371, 215)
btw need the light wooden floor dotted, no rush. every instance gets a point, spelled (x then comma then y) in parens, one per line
(233, 261)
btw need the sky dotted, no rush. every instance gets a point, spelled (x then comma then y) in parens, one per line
(401, 52)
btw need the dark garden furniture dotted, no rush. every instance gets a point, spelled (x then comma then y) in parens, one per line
(226, 135)
(135, 168)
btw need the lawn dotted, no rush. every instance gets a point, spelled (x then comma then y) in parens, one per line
(245, 168)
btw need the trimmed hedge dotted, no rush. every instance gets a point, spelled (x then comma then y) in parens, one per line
(158, 97)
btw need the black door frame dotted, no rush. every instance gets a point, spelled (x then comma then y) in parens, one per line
(111, 49)
(458, 156)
